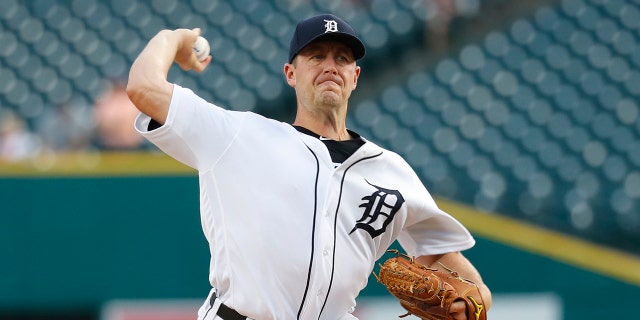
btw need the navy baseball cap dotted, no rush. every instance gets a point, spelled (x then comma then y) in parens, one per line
(324, 26)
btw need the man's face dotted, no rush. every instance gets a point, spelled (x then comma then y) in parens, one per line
(323, 74)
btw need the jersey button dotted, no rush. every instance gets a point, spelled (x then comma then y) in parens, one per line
(325, 252)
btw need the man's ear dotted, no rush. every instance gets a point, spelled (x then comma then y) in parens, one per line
(357, 75)
(289, 74)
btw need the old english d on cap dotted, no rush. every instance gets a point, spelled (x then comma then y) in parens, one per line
(324, 26)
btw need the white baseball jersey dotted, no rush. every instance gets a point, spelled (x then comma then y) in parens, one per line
(292, 236)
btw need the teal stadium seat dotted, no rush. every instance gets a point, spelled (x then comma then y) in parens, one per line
(540, 118)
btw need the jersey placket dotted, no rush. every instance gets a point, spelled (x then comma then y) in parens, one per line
(321, 276)
(330, 220)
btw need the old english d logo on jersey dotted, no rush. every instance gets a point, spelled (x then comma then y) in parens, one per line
(379, 209)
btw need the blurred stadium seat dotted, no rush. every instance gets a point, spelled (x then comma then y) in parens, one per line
(539, 120)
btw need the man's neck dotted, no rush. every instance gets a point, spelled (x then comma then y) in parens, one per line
(332, 125)
(327, 131)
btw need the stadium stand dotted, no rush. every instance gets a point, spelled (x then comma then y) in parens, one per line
(538, 120)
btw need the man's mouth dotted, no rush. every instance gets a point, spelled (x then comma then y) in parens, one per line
(329, 80)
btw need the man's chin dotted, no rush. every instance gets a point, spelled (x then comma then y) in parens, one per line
(330, 99)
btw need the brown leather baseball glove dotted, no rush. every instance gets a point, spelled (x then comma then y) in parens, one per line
(428, 293)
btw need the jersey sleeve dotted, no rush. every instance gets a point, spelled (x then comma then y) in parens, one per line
(196, 132)
(437, 234)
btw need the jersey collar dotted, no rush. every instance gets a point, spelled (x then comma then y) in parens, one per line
(354, 135)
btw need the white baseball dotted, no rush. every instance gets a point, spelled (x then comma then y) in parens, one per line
(201, 48)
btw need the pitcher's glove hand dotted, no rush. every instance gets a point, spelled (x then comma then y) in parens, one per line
(428, 293)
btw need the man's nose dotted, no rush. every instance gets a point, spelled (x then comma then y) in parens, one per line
(330, 70)
(330, 67)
